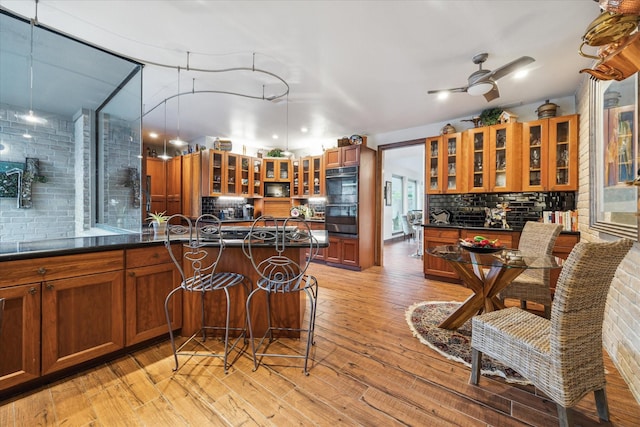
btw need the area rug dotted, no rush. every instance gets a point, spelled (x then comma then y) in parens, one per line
(423, 319)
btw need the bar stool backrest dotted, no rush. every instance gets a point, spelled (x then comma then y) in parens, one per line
(202, 248)
(272, 236)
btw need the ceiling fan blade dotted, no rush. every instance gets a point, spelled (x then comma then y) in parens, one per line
(454, 90)
(492, 94)
(512, 66)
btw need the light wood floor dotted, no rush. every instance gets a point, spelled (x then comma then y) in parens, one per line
(369, 370)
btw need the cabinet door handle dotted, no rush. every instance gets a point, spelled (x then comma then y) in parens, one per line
(50, 286)
(33, 290)
(132, 274)
(42, 271)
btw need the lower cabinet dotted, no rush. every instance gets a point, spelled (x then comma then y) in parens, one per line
(150, 276)
(434, 267)
(343, 251)
(59, 311)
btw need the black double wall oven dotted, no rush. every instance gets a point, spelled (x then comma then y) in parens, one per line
(341, 212)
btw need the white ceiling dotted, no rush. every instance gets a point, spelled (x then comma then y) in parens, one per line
(351, 66)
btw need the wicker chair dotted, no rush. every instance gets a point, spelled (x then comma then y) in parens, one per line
(533, 285)
(562, 356)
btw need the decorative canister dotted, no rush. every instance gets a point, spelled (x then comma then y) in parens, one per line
(447, 129)
(225, 145)
(548, 109)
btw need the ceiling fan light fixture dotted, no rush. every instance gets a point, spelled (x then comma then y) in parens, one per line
(443, 94)
(30, 117)
(177, 142)
(480, 88)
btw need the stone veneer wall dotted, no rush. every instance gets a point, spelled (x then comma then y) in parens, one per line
(622, 315)
(52, 214)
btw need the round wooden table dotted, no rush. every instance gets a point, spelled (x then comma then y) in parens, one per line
(486, 274)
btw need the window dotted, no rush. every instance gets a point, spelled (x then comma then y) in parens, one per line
(614, 156)
(412, 195)
(397, 202)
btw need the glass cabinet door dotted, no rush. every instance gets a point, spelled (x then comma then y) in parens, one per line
(232, 174)
(245, 176)
(306, 176)
(297, 187)
(505, 157)
(318, 176)
(432, 169)
(257, 174)
(478, 158)
(535, 158)
(452, 151)
(216, 159)
(563, 153)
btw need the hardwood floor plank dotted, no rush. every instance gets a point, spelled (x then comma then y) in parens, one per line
(158, 413)
(239, 412)
(135, 380)
(37, 410)
(191, 407)
(111, 405)
(71, 403)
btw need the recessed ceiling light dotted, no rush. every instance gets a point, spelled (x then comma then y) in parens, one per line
(153, 134)
(304, 129)
(274, 136)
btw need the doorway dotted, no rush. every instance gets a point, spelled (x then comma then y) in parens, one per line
(401, 164)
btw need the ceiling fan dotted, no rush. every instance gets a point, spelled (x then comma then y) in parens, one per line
(483, 82)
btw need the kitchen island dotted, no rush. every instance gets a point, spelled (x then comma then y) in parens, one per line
(77, 301)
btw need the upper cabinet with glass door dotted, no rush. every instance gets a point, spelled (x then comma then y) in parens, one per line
(550, 154)
(505, 157)
(477, 156)
(444, 157)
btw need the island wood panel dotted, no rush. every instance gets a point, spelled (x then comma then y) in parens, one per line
(435, 266)
(285, 308)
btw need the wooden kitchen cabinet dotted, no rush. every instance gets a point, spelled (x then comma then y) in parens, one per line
(563, 153)
(20, 334)
(505, 157)
(308, 177)
(192, 184)
(550, 158)
(477, 160)
(435, 267)
(342, 156)
(276, 170)
(343, 251)
(155, 186)
(61, 311)
(174, 185)
(444, 160)
(149, 277)
(257, 177)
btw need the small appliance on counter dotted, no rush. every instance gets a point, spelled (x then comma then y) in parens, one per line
(247, 211)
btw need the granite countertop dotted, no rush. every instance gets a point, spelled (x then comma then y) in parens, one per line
(75, 245)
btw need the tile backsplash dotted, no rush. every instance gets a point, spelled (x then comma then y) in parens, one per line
(469, 209)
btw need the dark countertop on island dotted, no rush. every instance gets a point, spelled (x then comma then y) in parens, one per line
(10, 251)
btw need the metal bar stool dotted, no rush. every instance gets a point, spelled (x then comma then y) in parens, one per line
(281, 274)
(202, 248)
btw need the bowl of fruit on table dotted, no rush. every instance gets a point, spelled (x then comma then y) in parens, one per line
(481, 244)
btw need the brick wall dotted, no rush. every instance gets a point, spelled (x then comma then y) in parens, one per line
(52, 214)
(622, 315)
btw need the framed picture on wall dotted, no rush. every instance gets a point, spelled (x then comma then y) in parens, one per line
(387, 193)
(614, 157)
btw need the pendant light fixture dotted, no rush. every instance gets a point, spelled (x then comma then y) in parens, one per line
(164, 155)
(178, 142)
(30, 117)
(286, 148)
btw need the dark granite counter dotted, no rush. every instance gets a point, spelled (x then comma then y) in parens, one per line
(67, 246)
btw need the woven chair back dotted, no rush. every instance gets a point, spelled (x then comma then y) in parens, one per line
(581, 293)
(537, 237)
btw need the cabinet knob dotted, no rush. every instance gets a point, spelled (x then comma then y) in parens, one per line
(33, 290)
(50, 286)
(156, 255)
(42, 271)
(132, 274)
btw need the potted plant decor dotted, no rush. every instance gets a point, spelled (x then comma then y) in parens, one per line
(159, 222)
